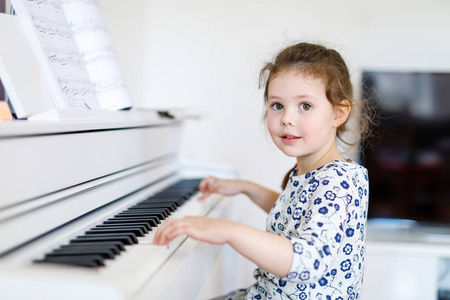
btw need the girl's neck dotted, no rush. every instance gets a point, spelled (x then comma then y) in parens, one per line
(311, 163)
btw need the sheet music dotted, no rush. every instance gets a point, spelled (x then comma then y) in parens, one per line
(63, 68)
(95, 46)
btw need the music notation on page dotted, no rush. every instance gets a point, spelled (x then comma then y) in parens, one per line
(51, 29)
(64, 57)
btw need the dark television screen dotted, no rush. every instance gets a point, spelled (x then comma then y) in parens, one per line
(409, 162)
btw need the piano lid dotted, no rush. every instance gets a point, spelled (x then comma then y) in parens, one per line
(38, 158)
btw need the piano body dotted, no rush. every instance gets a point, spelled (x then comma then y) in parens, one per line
(64, 185)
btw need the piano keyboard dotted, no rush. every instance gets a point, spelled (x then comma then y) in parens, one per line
(131, 226)
(82, 228)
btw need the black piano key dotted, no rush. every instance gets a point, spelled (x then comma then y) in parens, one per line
(143, 211)
(113, 245)
(146, 205)
(142, 207)
(181, 187)
(174, 192)
(150, 221)
(177, 202)
(138, 207)
(156, 215)
(164, 211)
(87, 261)
(170, 198)
(126, 240)
(170, 204)
(130, 223)
(88, 246)
(149, 203)
(157, 219)
(138, 219)
(105, 253)
(194, 182)
(179, 191)
(134, 230)
(131, 236)
(143, 228)
(160, 215)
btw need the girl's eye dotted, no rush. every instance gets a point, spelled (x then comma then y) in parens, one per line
(305, 106)
(277, 106)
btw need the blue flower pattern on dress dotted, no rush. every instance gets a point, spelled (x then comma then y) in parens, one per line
(324, 214)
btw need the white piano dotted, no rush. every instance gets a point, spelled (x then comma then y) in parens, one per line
(80, 202)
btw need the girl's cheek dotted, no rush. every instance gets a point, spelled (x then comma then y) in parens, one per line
(271, 126)
(269, 123)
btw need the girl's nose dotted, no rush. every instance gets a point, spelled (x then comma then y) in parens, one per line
(287, 120)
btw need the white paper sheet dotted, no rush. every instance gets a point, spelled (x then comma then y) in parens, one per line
(95, 46)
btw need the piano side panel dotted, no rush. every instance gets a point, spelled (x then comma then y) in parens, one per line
(32, 166)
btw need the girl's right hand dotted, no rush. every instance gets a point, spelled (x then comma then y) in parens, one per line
(211, 185)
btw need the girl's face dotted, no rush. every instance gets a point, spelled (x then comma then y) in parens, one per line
(301, 120)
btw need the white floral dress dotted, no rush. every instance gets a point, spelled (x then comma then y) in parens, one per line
(324, 214)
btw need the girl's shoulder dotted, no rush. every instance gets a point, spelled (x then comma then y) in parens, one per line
(340, 166)
(335, 169)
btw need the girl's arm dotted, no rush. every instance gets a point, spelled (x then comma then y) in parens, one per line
(260, 195)
(269, 251)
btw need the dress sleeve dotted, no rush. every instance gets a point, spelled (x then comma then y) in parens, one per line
(322, 225)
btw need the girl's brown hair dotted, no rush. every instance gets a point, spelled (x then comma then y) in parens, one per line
(327, 64)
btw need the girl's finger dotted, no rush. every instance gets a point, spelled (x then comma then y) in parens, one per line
(161, 234)
(203, 196)
(205, 183)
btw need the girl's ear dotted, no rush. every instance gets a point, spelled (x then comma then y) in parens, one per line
(341, 113)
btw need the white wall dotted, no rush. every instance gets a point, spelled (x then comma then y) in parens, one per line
(205, 56)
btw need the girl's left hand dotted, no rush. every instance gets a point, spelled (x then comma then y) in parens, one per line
(213, 231)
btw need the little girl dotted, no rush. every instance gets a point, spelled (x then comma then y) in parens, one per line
(313, 246)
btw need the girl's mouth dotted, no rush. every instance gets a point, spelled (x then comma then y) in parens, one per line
(289, 139)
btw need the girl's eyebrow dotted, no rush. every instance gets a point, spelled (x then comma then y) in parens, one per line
(273, 97)
(302, 96)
